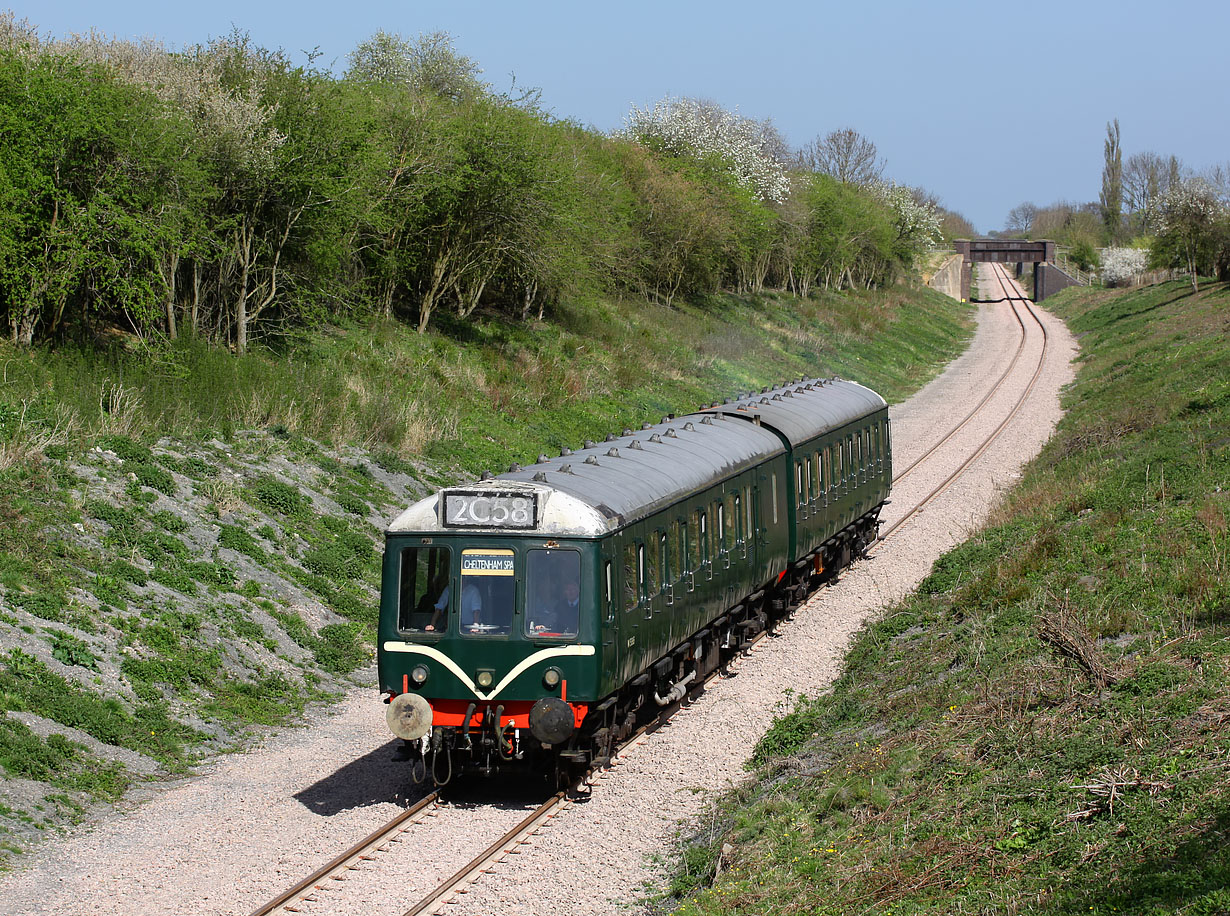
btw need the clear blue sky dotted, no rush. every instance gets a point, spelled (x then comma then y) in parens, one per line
(984, 107)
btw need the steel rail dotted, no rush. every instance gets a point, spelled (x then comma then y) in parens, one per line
(500, 847)
(354, 852)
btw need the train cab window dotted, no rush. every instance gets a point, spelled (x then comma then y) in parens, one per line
(488, 591)
(630, 582)
(424, 594)
(553, 593)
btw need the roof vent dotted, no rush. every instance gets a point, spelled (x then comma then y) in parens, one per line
(646, 426)
(707, 421)
(565, 469)
(627, 432)
(764, 400)
(777, 397)
(540, 477)
(565, 452)
(610, 437)
(543, 459)
(589, 443)
(688, 427)
(727, 401)
(756, 418)
(515, 468)
(670, 433)
(764, 390)
(486, 475)
(655, 438)
(591, 460)
(636, 444)
(612, 453)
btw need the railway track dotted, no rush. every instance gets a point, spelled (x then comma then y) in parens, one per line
(1018, 303)
(519, 833)
(1022, 338)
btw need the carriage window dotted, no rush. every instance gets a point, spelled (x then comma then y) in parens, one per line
(736, 513)
(730, 521)
(720, 536)
(675, 560)
(553, 593)
(694, 542)
(424, 593)
(609, 593)
(798, 483)
(629, 576)
(657, 563)
(749, 529)
(488, 591)
(815, 477)
(775, 498)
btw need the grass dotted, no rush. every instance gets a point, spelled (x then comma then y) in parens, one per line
(472, 395)
(1044, 727)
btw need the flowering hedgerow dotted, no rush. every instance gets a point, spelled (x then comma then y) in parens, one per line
(700, 130)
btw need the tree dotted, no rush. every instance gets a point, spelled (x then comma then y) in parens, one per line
(1145, 176)
(1112, 182)
(1188, 220)
(428, 64)
(707, 133)
(1020, 219)
(844, 154)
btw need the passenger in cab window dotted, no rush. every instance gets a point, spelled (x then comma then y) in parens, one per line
(471, 607)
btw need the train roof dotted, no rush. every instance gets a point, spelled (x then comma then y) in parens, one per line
(810, 408)
(605, 485)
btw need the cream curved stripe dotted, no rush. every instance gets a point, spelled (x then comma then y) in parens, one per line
(436, 655)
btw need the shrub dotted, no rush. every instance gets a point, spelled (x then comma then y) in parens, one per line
(278, 496)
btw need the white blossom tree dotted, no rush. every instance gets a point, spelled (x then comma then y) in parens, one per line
(1123, 265)
(750, 150)
(916, 215)
(1186, 220)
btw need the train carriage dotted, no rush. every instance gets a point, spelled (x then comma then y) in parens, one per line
(538, 614)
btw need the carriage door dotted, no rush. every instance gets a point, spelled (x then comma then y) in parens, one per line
(608, 620)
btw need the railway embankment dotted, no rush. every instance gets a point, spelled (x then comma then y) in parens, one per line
(1044, 726)
(190, 539)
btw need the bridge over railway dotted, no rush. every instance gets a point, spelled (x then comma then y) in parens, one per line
(1049, 278)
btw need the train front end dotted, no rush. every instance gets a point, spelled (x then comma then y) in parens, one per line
(489, 632)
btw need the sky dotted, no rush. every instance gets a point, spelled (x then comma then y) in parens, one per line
(986, 105)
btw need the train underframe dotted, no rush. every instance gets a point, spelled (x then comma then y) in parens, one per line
(449, 751)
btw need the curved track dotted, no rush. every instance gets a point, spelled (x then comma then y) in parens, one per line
(1019, 303)
(453, 820)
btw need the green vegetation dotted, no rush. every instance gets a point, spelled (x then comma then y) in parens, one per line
(225, 193)
(1042, 727)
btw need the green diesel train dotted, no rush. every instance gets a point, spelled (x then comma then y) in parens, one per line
(538, 615)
